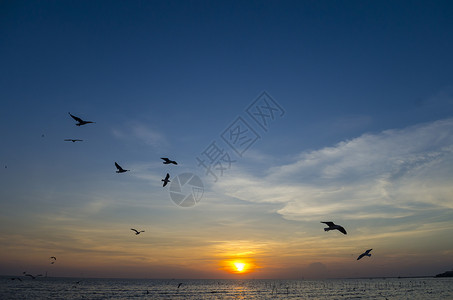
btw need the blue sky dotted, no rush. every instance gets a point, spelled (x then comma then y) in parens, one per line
(365, 139)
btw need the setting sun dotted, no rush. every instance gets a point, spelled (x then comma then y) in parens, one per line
(239, 266)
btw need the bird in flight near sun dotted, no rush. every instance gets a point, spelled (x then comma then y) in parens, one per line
(333, 226)
(366, 253)
(136, 231)
(33, 277)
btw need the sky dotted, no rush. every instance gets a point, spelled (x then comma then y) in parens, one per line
(280, 114)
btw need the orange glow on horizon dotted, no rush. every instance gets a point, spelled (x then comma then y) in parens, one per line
(238, 265)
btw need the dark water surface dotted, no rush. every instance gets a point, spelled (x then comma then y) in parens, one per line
(90, 288)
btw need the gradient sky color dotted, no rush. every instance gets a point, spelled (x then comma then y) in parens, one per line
(366, 138)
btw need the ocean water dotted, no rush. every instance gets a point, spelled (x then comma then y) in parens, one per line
(88, 288)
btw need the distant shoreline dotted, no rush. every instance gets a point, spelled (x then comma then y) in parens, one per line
(445, 274)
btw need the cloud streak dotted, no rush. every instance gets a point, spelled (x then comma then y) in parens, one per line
(142, 133)
(389, 175)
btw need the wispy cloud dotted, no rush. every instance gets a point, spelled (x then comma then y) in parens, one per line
(390, 175)
(141, 132)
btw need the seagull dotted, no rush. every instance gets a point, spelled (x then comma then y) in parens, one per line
(33, 277)
(16, 278)
(54, 259)
(179, 284)
(168, 161)
(333, 226)
(80, 121)
(136, 231)
(73, 140)
(166, 179)
(120, 170)
(366, 253)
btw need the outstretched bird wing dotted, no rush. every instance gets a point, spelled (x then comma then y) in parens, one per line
(167, 177)
(76, 118)
(136, 231)
(165, 159)
(118, 167)
(364, 253)
(341, 229)
(330, 224)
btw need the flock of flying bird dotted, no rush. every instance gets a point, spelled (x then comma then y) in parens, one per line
(166, 180)
(81, 122)
(166, 160)
(120, 169)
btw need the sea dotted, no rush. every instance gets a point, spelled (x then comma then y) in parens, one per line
(90, 288)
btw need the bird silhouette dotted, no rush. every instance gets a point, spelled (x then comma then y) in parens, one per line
(333, 226)
(366, 253)
(73, 140)
(166, 179)
(168, 161)
(179, 284)
(120, 170)
(136, 231)
(33, 277)
(80, 121)
(16, 278)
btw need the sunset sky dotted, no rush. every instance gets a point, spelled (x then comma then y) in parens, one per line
(319, 111)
